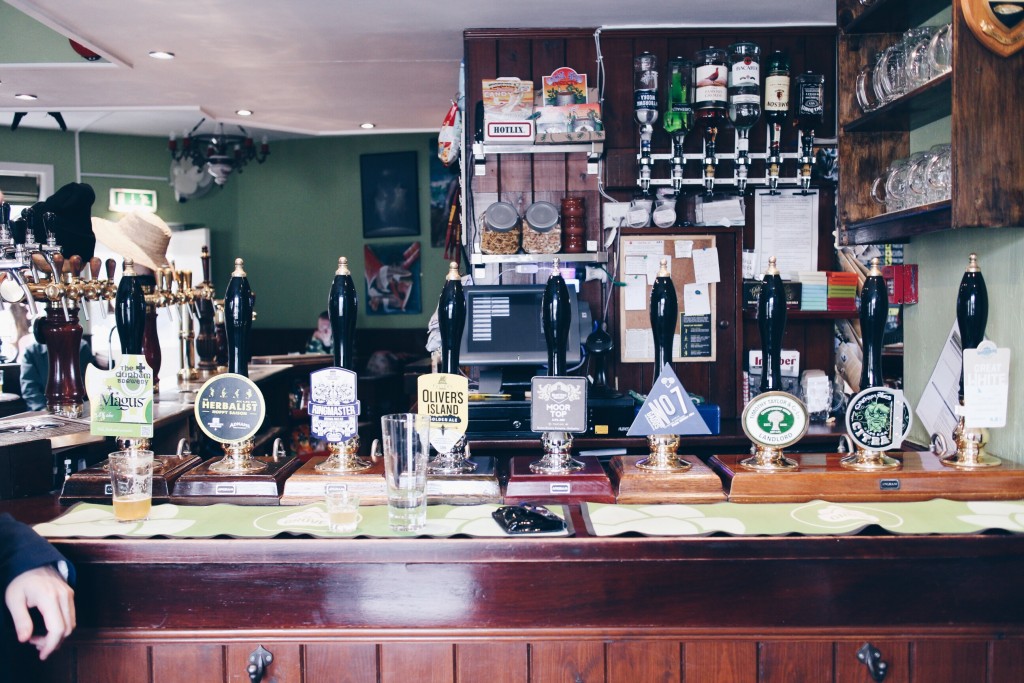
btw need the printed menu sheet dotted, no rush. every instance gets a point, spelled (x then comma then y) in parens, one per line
(786, 227)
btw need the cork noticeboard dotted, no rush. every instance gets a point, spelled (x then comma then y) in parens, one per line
(689, 257)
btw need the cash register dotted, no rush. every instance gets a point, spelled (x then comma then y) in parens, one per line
(504, 339)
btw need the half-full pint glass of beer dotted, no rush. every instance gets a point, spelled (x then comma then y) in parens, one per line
(131, 479)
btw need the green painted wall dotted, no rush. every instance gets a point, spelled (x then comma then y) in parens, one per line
(290, 218)
(942, 258)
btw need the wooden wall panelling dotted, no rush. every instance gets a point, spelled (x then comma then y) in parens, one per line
(340, 663)
(1006, 660)
(895, 653)
(492, 662)
(958, 660)
(420, 662)
(789, 661)
(711, 661)
(113, 664)
(650, 661)
(187, 662)
(986, 124)
(286, 667)
(561, 661)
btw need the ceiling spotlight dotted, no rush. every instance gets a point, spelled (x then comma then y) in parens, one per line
(25, 96)
(160, 54)
(244, 112)
(367, 126)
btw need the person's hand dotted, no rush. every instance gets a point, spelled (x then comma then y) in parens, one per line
(46, 590)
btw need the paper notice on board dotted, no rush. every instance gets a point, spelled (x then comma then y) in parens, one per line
(684, 248)
(786, 227)
(636, 292)
(653, 248)
(696, 299)
(654, 265)
(705, 265)
(639, 344)
(636, 265)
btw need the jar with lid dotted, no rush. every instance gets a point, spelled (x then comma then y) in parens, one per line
(573, 225)
(542, 233)
(501, 229)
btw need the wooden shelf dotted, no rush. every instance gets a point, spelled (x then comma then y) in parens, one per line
(898, 226)
(797, 314)
(927, 103)
(584, 257)
(886, 16)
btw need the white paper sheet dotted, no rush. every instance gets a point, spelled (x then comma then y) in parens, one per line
(696, 299)
(639, 344)
(705, 265)
(643, 247)
(636, 292)
(786, 227)
(939, 402)
(684, 248)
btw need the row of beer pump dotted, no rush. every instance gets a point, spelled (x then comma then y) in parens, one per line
(721, 87)
(868, 454)
(41, 276)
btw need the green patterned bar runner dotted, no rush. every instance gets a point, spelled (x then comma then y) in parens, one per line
(90, 520)
(815, 518)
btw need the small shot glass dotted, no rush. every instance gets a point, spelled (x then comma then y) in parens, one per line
(342, 511)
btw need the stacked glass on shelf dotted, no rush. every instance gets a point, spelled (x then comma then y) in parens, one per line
(922, 178)
(920, 55)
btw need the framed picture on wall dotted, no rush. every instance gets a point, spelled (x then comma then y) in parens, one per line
(390, 191)
(392, 278)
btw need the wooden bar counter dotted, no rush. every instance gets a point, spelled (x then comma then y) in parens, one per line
(794, 609)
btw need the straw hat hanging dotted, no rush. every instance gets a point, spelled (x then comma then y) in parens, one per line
(142, 237)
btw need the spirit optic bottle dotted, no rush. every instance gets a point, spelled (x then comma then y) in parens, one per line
(645, 109)
(711, 76)
(744, 101)
(744, 86)
(810, 92)
(679, 105)
(678, 120)
(776, 96)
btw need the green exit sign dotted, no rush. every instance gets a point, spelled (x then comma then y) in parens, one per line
(123, 200)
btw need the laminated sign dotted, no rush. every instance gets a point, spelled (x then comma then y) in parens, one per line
(668, 410)
(230, 408)
(443, 397)
(121, 399)
(333, 406)
(559, 404)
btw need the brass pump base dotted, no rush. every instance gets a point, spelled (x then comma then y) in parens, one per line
(864, 460)
(970, 449)
(238, 459)
(663, 458)
(343, 459)
(767, 459)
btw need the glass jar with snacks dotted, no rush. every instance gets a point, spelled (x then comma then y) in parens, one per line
(501, 229)
(542, 233)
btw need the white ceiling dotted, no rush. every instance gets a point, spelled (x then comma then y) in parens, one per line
(305, 67)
